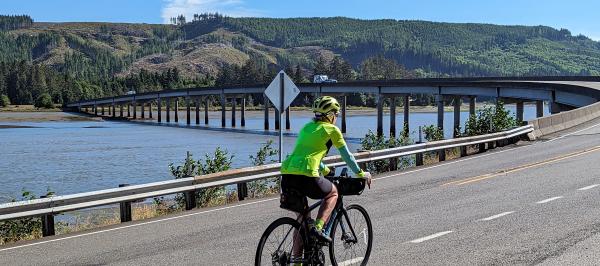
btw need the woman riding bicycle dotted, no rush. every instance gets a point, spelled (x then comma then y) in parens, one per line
(301, 170)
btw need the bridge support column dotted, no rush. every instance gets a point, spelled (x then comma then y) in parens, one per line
(243, 112)
(457, 104)
(159, 110)
(125, 209)
(405, 124)
(168, 110)
(143, 107)
(47, 224)
(288, 124)
(176, 110)
(197, 103)
(266, 109)
(150, 109)
(344, 102)
(129, 110)
(109, 111)
(554, 108)
(233, 106)
(392, 117)
(472, 100)
(379, 114)
(121, 110)
(95, 110)
(188, 107)
(206, 99)
(102, 110)
(85, 109)
(520, 108)
(134, 110)
(223, 110)
(113, 110)
(539, 108)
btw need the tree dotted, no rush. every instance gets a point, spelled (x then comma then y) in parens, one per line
(4, 101)
(321, 67)
(44, 101)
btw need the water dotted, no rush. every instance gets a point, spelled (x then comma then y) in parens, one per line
(71, 157)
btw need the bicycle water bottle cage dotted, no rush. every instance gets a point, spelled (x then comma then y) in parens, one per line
(293, 200)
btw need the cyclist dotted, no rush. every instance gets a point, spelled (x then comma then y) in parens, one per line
(301, 170)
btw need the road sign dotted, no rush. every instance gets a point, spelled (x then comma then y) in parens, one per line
(290, 91)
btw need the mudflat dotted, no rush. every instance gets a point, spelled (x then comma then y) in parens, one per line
(16, 117)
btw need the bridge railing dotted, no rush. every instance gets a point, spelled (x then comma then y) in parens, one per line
(47, 207)
(564, 120)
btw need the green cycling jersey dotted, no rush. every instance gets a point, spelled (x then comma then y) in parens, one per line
(313, 143)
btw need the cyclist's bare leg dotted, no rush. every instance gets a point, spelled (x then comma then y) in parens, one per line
(297, 248)
(328, 205)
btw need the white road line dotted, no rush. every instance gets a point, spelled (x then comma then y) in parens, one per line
(351, 261)
(573, 133)
(496, 216)
(136, 225)
(549, 200)
(589, 187)
(423, 239)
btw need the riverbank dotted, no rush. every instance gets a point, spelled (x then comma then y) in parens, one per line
(49, 116)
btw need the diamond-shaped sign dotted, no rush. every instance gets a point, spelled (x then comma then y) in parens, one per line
(290, 91)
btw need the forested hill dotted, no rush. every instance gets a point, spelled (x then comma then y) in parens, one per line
(102, 59)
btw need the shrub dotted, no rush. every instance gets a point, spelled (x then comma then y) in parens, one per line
(267, 186)
(433, 133)
(23, 228)
(372, 142)
(489, 120)
(4, 100)
(44, 101)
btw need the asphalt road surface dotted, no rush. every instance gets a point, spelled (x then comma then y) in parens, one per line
(531, 203)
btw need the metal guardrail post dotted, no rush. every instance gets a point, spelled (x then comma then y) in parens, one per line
(442, 155)
(190, 200)
(242, 191)
(463, 151)
(47, 223)
(419, 156)
(481, 147)
(125, 208)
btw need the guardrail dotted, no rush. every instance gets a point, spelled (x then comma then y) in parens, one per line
(48, 207)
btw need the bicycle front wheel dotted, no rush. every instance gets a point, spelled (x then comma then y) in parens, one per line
(276, 244)
(352, 236)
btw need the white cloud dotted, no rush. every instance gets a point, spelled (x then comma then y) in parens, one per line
(233, 8)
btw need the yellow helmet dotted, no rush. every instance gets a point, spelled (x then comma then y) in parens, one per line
(325, 105)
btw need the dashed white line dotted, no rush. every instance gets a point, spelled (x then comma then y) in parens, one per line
(589, 187)
(496, 216)
(549, 200)
(351, 261)
(423, 239)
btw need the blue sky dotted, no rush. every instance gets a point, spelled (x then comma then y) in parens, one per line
(579, 16)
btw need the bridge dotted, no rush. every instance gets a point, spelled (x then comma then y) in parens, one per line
(522, 202)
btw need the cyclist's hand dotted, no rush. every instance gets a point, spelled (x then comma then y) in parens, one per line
(367, 176)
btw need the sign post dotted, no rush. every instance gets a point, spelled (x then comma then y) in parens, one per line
(281, 92)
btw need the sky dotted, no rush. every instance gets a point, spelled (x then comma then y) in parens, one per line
(579, 16)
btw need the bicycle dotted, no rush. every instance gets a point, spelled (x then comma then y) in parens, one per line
(341, 227)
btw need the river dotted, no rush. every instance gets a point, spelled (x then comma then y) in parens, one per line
(80, 156)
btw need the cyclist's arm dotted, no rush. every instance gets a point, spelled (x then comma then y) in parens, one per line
(324, 169)
(340, 144)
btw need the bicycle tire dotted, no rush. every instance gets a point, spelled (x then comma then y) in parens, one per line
(265, 236)
(369, 230)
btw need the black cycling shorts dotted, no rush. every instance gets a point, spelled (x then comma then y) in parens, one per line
(313, 187)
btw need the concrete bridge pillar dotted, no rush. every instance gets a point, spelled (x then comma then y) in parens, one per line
(554, 108)
(457, 104)
(85, 109)
(233, 106)
(121, 110)
(539, 108)
(197, 103)
(379, 114)
(188, 107)
(113, 110)
(143, 106)
(109, 111)
(288, 123)
(150, 109)
(266, 109)
(176, 110)
(440, 114)
(168, 109)
(134, 110)
(243, 112)
(406, 128)
(392, 116)
(344, 102)
(520, 109)
(472, 100)
(102, 110)
(129, 110)
(95, 110)
(206, 99)
(159, 110)
(223, 103)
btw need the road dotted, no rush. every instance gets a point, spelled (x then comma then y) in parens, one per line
(532, 203)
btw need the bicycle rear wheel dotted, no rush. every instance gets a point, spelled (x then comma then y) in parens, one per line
(275, 246)
(352, 236)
